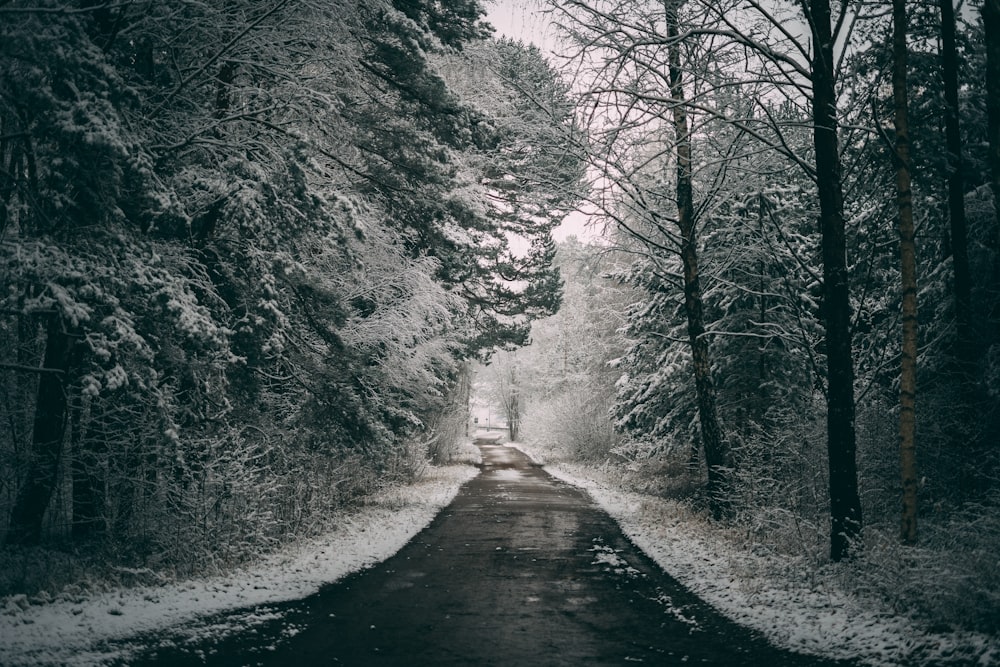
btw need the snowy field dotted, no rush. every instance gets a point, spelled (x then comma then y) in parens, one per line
(70, 629)
(793, 607)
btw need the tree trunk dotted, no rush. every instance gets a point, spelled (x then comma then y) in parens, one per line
(47, 439)
(956, 194)
(514, 415)
(223, 83)
(88, 482)
(465, 392)
(908, 271)
(845, 504)
(716, 451)
(991, 29)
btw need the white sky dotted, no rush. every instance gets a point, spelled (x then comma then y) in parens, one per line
(521, 19)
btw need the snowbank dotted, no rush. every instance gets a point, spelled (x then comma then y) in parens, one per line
(66, 631)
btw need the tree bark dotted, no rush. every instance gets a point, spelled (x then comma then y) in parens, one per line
(717, 456)
(223, 83)
(47, 439)
(514, 416)
(845, 504)
(991, 29)
(956, 194)
(908, 272)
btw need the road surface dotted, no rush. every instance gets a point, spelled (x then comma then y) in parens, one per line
(521, 569)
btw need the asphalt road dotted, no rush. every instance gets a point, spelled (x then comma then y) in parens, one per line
(521, 569)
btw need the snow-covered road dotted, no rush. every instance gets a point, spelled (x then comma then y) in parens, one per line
(752, 589)
(520, 569)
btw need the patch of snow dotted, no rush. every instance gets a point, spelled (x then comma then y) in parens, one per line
(605, 555)
(677, 612)
(507, 474)
(68, 632)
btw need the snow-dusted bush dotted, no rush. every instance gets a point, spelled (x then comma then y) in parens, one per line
(573, 424)
(950, 581)
(780, 497)
(447, 433)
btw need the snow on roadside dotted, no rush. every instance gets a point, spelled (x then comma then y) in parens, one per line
(805, 613)
(68, 631)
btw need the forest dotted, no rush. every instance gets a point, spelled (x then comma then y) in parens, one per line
(252, 255)
(781, 185)
(248, 251)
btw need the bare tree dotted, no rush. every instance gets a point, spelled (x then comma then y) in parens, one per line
(845, 504)
(506, 384)
(717, 455)
(633, 59)
(788, 52)
(908, 270)
(991, 27)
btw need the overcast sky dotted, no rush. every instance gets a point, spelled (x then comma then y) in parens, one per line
(520, 19)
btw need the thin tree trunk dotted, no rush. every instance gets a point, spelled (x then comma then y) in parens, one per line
(465, 391)
(956, 193)
(845, 504)
(88, 482)
(47, 439)
(223, 83)
(991, 28)
(716, 451)
(763, 399)
(514, 416)
(908, 271)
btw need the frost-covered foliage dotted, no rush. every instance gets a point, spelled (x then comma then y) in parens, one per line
(241, 262)
(654, 402)
(527, 171)
(564, 377)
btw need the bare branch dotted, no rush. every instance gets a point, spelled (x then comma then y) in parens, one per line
(20, 368)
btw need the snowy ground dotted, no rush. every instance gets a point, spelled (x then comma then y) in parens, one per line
(71, 629)
(795, 608)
